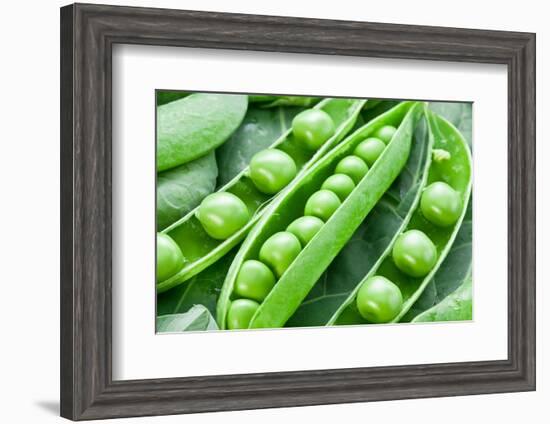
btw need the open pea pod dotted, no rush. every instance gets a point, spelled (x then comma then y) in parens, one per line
(199, 249)
(452, 164)
(303, 272)
(371, 239)
(455, 270)
(190, 127)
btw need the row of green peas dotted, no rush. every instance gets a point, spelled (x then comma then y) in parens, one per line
(379, 300)
(223, 214)
(256, 278)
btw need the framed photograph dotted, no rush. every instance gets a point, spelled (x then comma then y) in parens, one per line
(267, 211)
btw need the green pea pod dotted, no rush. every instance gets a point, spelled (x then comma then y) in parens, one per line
(191, 127)
(455, 307)
(456, 170)
(458, 264)
(199, 249)
(371, 239)
(453, 272)
(298, 279)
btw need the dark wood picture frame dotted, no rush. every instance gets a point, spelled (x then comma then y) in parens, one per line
(88, 33)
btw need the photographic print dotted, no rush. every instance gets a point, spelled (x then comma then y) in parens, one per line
(285, 211)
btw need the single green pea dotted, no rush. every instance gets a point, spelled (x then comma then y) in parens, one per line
(369, 150)
(414, 253)
(340, 184)
(254, 280)
(312, 128)
(379, 300)
(322, 204)
(305, 228)
(271, 170)
(240, 313)
(222, 214)
(279, 251)
(169, 257)
(353, 167)
(441, 204)
(385, 133)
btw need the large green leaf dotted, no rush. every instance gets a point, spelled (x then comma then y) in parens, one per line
(259, 130)
(368, 242)
(193, 126)
(457, 113)
(455, 307)
(181, 189)
(275, 101)
(198, 318)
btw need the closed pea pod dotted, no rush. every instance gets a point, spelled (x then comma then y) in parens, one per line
(303, 271)
(191, 127)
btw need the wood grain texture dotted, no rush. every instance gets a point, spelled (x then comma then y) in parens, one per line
(88, 33)
(68, 315)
